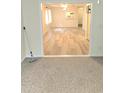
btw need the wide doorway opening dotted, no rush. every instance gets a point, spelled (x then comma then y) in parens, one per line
(66, 28)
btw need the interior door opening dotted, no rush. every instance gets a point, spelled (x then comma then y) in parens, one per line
(66, 28)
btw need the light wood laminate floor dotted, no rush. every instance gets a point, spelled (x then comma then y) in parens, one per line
(65, 41)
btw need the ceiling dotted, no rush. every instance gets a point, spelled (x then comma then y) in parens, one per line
(62, 5)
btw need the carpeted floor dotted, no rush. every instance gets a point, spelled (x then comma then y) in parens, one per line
(63, 75)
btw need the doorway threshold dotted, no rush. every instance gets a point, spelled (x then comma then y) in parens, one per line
(66, 56)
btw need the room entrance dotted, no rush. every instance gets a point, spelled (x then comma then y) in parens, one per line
(66, 28)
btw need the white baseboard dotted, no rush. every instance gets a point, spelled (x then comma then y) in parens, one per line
(96, 56)
(28, 56)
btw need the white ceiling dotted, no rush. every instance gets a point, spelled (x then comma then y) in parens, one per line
(61, 5)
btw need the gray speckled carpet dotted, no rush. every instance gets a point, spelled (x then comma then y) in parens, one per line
(63, 75)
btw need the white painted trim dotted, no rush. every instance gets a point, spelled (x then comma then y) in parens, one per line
(34, 56)
(91, 29)
(96, 56)
(40, 17)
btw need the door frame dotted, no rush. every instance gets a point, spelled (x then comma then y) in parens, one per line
(91, 27)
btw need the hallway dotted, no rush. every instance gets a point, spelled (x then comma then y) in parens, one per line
(65, 41)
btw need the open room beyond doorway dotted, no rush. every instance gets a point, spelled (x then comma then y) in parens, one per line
(66, 28)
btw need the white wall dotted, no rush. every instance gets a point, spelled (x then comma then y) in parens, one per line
(31, 11)
(32, 21)
(22, 47)
(80, 15)
(63, 21)
(23, 54)
(97, 30)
